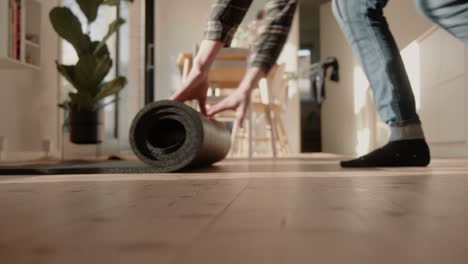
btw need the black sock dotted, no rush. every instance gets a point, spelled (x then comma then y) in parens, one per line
(401, 153)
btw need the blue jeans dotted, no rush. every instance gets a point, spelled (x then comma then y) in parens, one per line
(367, 31)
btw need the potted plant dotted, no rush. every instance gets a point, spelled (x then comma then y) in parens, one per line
(87, 75)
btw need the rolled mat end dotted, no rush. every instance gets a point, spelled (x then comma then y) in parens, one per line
(171, 136)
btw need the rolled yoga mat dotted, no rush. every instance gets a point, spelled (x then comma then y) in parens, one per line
(171, 136)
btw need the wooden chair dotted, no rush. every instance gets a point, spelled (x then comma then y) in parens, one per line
(274, 94)
(271, 103)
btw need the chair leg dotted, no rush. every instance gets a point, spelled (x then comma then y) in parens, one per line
(249, 133)
(241, 142)
(271, 128)
(234, 140)
(185, 69)
(283, 137)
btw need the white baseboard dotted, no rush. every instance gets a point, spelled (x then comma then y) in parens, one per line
(25, 156)
(449, 150)
(70, 151)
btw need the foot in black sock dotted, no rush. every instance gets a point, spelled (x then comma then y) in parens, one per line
(401, 153)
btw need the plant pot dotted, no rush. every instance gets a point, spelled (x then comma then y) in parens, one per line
(85, 127)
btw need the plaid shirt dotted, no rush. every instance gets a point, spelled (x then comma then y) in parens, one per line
(227, 15)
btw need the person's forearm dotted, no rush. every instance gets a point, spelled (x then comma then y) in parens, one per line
(277, 24)
(251, 79)
(207, 54)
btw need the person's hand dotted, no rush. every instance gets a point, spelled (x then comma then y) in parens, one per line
(194, 87)
(238, 101)
(196, 84)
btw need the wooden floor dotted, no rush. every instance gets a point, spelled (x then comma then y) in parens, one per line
(302, 210)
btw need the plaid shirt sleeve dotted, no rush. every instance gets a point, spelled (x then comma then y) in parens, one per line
(274, 34)
(226, 17)
(228, 14)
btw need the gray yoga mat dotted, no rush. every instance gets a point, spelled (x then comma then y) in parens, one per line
(171, 136)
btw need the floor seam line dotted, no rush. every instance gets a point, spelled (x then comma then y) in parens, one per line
(210, 224)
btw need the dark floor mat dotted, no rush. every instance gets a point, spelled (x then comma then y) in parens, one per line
(81, 167)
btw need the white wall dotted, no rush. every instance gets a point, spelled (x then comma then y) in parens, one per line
(441, 76)
(293, 112)
(349, 120)
(180, 29)
(177, 30)
(28, 100)
(338, 122)
(132, 98)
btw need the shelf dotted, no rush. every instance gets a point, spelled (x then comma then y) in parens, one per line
(29, 37)
(12, 64)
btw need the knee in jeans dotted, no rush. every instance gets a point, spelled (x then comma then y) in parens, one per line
(345, 10)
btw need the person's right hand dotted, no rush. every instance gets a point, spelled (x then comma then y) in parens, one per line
(194, 87)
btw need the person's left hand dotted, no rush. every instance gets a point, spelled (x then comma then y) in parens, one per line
(238, 101)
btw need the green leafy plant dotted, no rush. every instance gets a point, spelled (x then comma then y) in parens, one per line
(94, 63)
